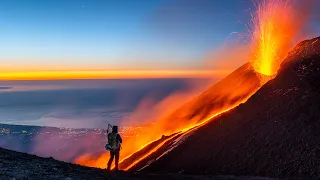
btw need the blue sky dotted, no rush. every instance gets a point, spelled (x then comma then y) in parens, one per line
(116, 34)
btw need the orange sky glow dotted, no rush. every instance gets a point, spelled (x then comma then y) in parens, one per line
(110, 74)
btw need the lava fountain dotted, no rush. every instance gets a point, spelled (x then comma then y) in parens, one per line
(274, 28)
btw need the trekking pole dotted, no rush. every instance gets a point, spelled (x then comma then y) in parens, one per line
(109, 126)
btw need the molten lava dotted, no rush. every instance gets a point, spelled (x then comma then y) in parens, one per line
(274, 28)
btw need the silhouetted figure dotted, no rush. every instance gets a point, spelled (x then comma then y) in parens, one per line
(114, 140)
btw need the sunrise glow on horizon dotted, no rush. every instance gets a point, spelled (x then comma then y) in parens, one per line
(111, 74)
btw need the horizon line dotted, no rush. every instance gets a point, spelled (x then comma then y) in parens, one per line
(110, 74)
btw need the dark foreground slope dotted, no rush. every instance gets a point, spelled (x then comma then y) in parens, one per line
(16, 166)
(276, 133)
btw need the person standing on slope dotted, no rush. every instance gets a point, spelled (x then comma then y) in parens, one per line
(114, 140)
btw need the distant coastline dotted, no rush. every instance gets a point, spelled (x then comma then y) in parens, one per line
(5, 88)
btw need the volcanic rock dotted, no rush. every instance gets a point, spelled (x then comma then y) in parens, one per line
(22, 166)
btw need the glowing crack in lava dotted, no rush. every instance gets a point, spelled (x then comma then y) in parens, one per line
(274, 27)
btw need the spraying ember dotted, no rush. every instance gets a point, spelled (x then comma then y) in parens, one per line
(276, 24)
(274, 28)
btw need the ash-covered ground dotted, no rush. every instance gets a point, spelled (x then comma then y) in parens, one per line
(22, 166)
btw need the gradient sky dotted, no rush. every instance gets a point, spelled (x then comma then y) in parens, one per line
(115, 34)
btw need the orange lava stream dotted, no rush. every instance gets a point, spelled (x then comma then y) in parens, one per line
(188, 129)
(150, 152)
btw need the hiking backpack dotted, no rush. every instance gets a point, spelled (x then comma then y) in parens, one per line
(113, 141)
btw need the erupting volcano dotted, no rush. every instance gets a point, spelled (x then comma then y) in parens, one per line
(72, 70)
(274, 28)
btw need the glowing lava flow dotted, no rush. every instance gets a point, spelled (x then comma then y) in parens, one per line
(150, 152)
(186, 130)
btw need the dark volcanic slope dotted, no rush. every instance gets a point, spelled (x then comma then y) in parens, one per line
(276, 133)
(16, 165)
(21, 166)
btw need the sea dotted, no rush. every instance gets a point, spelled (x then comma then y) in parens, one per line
(82, 103)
